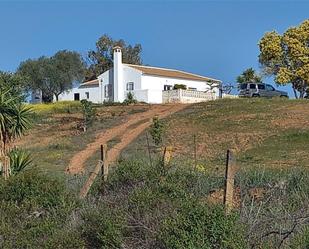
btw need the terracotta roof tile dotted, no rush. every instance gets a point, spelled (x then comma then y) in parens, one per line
(171, 73)
(90, 82)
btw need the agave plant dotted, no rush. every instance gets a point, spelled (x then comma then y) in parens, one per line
(19, 160)
(15, 120)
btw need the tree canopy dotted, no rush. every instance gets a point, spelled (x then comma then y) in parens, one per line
(101, 59)
(13, 84)
(53, 75)
(249, 76)
(287, 57)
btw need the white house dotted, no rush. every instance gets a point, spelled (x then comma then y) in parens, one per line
(148, 84)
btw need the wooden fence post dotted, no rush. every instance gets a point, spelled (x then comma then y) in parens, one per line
(195, 156)
(148, 147)
(103, 166)
(104, 161)
(167, 155)
(230, 172)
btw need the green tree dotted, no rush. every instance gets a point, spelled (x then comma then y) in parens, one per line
(53, 75)
(287, 57)
(15, 120)
(13, 84)
(101, 59)
(249, 76)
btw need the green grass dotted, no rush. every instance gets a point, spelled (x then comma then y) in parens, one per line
(143, 206)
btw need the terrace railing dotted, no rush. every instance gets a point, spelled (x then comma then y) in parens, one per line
(187, 96)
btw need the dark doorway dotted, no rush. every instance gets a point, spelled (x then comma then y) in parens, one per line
(167, 87)
(76, 96)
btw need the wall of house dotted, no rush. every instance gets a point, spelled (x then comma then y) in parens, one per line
(94, 94)
(132, 75)
(107, 78)
(155, 85)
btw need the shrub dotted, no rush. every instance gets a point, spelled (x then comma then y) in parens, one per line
(180, 86)
(199, 226)
(33, 207)
(156, 131)
(301, 240)
(130, 99)
(103, 228)
(130, 173)
(88, 112)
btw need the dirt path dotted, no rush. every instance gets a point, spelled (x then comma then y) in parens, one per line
(124, 132)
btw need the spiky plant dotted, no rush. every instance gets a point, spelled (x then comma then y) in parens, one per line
(15, 120)
(19, 160)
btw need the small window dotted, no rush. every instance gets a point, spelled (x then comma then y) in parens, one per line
(269, 88)
(252, 86)
(87, 95)
(130, 86)
(243, 86)
(192, 88)
(106, 92)
(261, 87)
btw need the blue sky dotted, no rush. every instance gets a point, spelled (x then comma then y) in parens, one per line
(213, 38)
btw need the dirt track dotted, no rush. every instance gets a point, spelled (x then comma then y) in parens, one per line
(139, 122)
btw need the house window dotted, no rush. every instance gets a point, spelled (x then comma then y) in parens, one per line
(192, 88)
(87, 95)
(130, 86)
(106, 92)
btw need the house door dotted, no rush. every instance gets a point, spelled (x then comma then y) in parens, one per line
(167, 87)
(76, 96)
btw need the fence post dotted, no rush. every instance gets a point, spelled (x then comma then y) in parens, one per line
(230, 172)
(104, 161)
(167, 155)
(195, 156)
(148, 147)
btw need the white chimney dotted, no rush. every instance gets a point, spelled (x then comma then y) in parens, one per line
(118, 76)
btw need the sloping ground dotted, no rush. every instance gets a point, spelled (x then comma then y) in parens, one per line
(125, 132)
(263, 133)
(55, 138)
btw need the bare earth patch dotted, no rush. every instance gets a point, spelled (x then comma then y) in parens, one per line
(126, 132)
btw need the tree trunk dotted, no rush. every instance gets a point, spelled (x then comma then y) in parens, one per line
(5, 160)
(57, 97)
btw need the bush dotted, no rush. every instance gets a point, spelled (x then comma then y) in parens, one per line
(200, 226)
(103, 228)
(301, 240)
(130, 99)
(180, 86)
(88, 112)
(156, 131)
(32, 208)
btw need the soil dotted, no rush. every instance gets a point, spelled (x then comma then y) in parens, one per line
(126, 132)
